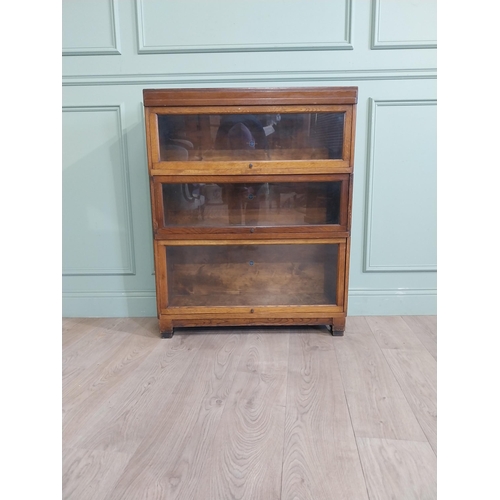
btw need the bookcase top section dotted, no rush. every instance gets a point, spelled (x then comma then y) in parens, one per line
(250, 97)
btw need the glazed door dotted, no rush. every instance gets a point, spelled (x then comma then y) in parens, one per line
(248, 274)
(267, 139)
(250, 203)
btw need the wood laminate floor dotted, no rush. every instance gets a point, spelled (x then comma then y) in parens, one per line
(269, 413)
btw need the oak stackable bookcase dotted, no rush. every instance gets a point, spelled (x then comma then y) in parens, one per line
(251, 195)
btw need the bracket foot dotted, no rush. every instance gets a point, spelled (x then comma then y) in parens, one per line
(335, 333)
(168, 334)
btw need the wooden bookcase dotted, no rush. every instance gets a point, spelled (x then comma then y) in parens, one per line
(251, 195)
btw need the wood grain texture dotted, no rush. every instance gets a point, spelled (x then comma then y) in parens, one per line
(169, 461)
(90, 474)
(334, 239)
(398, 470)
(259, 233)
(321, 461)
(377, 405)
(254, 96)
(392, 332)
(299, 167)
(93, 387)
(246, 454)
(206, 296)
(235, 279)
(219, 219)
(212, 320)
(357, 325)
(256, 155)
(425, 328)
(246, 413)
(227, 109)
(89, 347)
(71, 327)
(74, 329)
(125, 420)
(206, 179)
(416, 374)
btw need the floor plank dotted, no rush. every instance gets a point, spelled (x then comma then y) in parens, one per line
(90, 474)
(247, 452)
(172, 457)
(321, 460)
(129, 413)
(416, 374)
(398, 470)
(74, 329)
(90, 348)
(377, 405)
(392, 332)
(425, 328)
(357, 325)
(94, 386)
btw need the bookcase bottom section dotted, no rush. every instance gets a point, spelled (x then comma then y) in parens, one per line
(336, 324)
(257, 274)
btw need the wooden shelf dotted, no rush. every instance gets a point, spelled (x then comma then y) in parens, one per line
(251, 155)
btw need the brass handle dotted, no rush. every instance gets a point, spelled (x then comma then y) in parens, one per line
(252, 311)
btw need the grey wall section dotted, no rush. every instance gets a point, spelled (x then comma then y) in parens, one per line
(113, 49)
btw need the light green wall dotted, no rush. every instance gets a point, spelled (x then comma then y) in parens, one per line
(114, 49)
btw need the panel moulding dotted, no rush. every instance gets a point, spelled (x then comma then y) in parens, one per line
(131, 268)
(370, 171)
(376, 43)
(144, 48)
(113, 49)
(250, 77)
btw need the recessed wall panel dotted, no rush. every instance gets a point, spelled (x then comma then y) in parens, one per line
(226, 25)
(404, 24)
(401, 189)
(89, 27)
(96, 212)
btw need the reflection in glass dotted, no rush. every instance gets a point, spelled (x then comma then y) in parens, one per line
(252, 275)
(290, 136)
(251, 204)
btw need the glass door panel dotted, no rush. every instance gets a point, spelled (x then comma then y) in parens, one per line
(252, 275)
(251, 203)
(259, 136)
